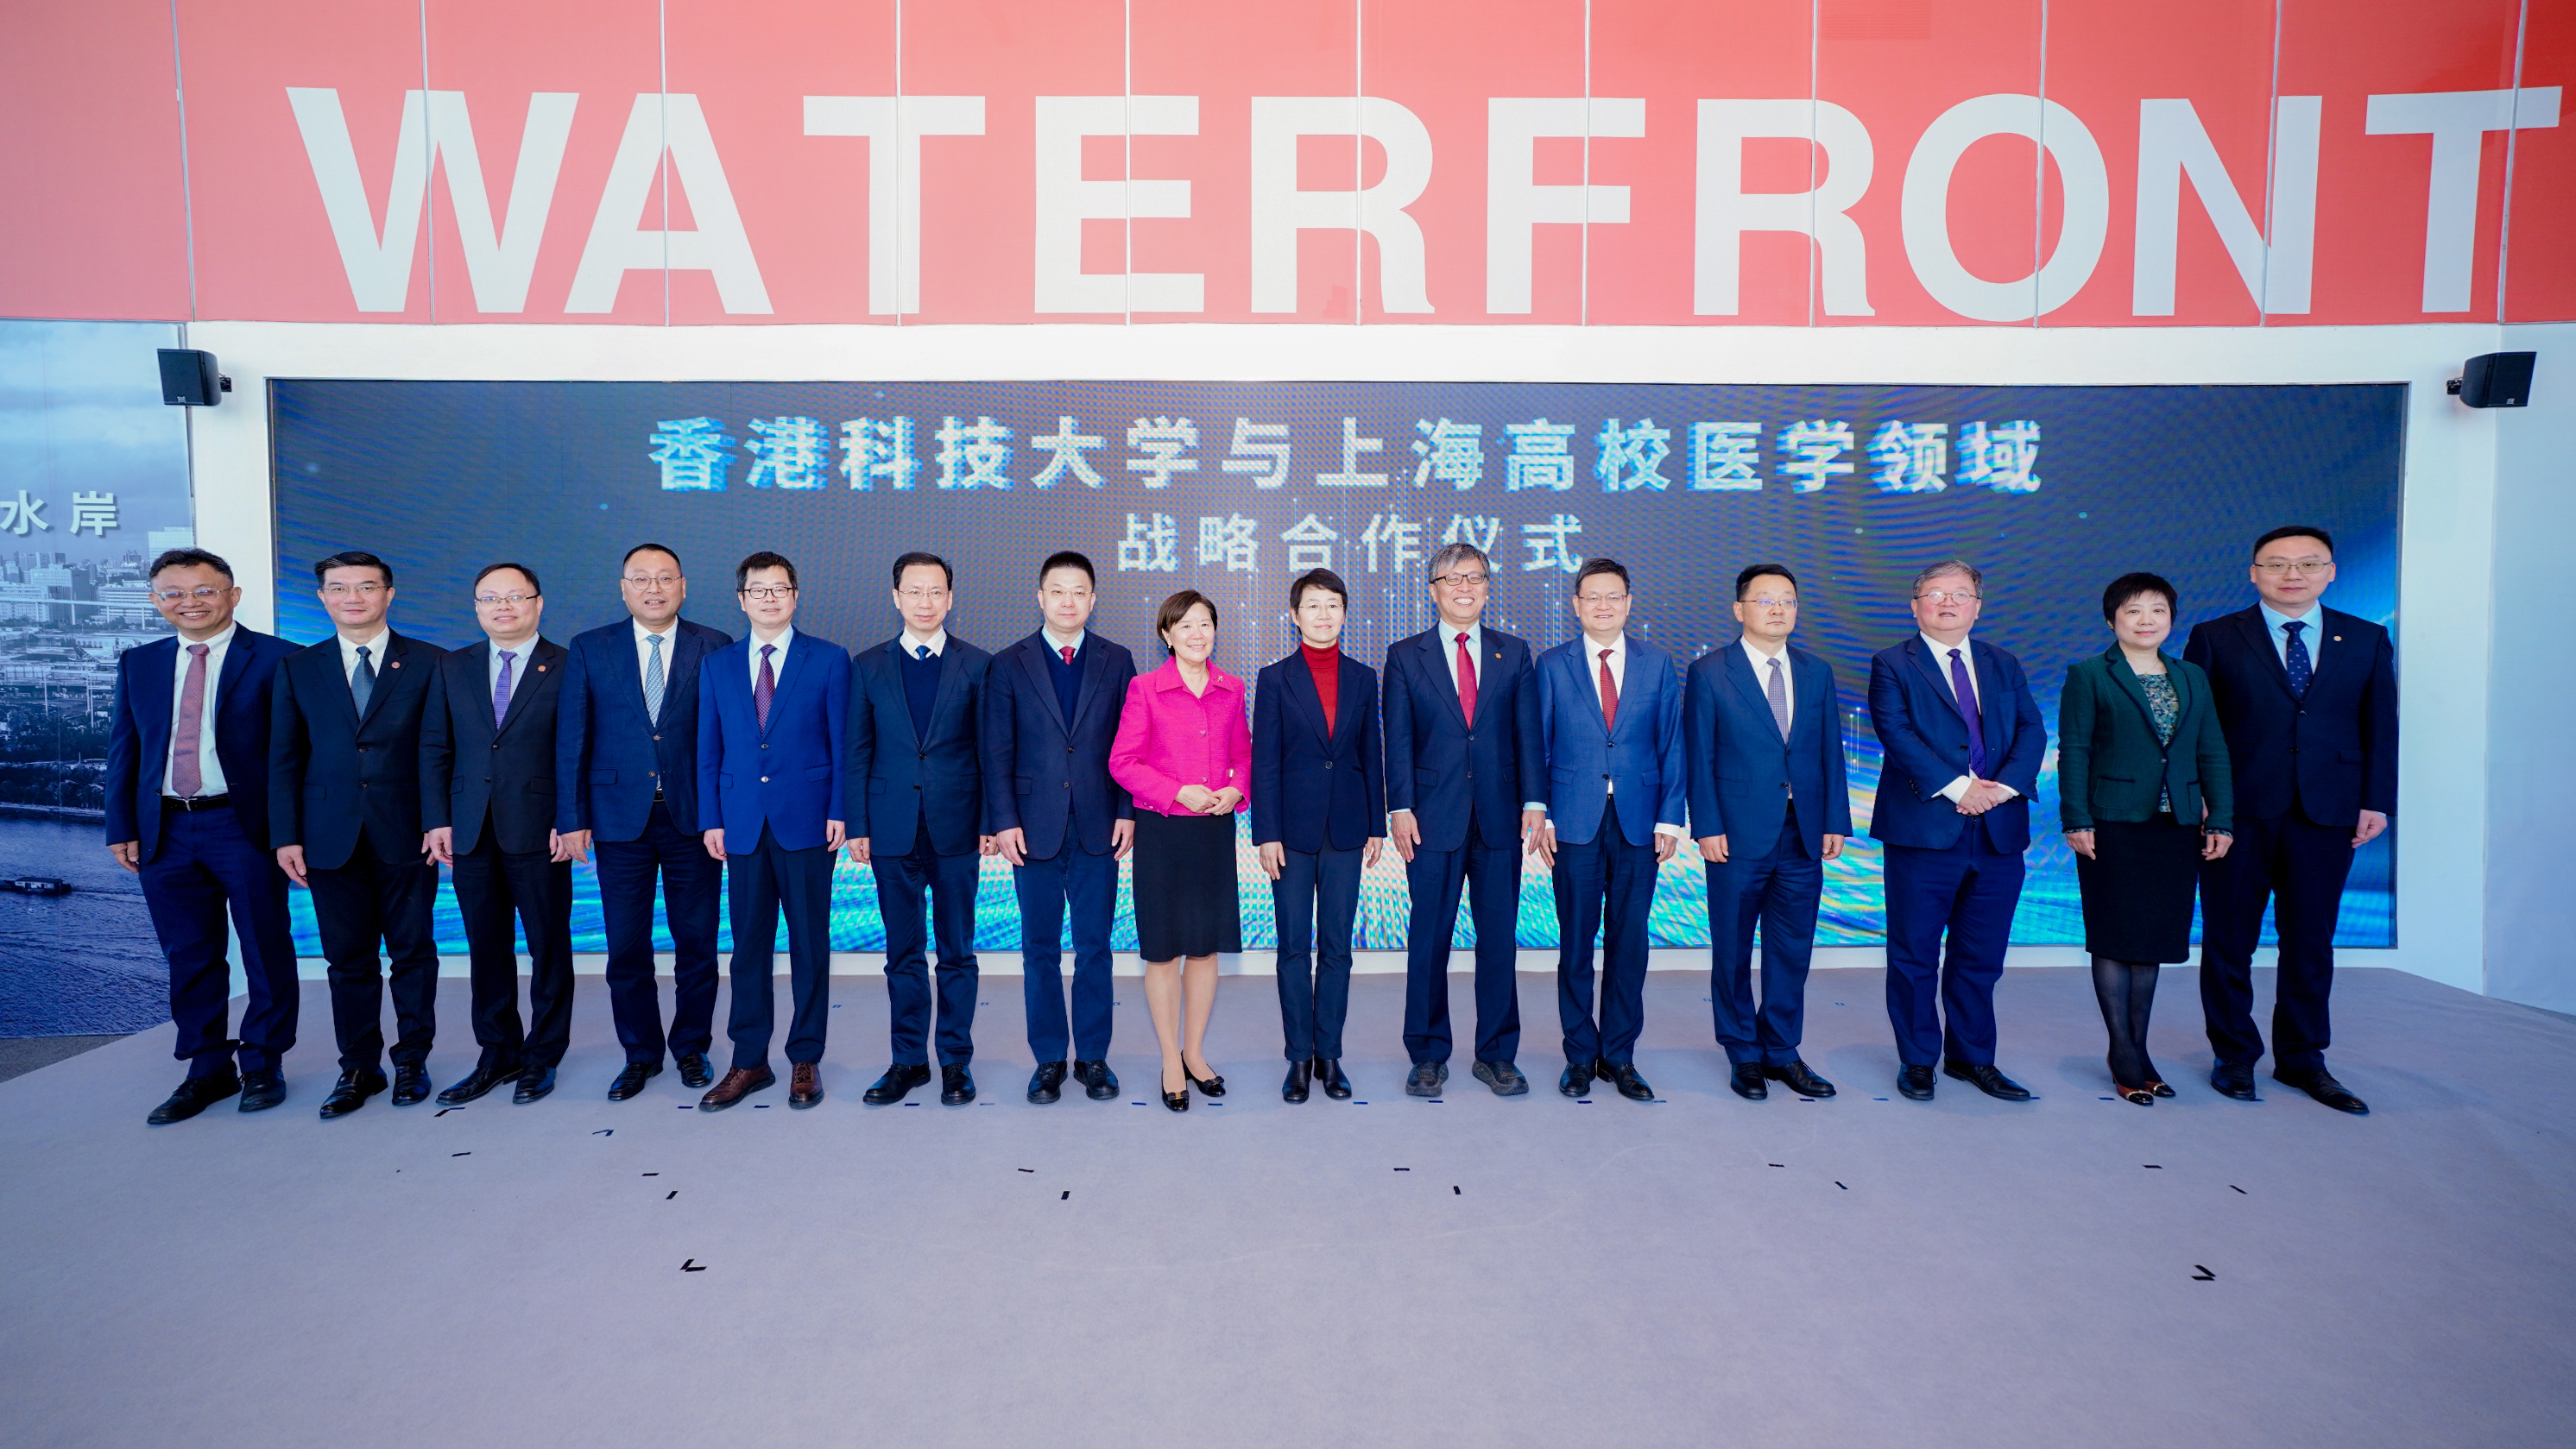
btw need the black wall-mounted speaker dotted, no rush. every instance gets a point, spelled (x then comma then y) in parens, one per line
(189, 379)
(2496, 380)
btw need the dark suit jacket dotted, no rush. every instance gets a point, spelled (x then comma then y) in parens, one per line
(333, 776)
(896, 780)
(788, 776)
(1441, 765)
(1308, 789)
(470, 773)
(1046, 775)
(2111, 766)
(138, 736)
(610, 758)
(1743, 776)
(1926, 744)
(1641, 754)
(2333, 754)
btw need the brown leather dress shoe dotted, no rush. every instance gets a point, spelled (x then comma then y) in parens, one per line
(804, 1085)
(739, 1083)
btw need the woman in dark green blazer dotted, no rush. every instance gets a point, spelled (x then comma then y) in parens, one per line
(2144, 795)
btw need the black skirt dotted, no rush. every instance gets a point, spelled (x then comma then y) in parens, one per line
(1184, 886)
(2137, 889)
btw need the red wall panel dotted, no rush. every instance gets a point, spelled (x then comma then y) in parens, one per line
(2540, 258)
(94, 225)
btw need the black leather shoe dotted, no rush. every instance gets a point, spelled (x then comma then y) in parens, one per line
(956, 1086)
(534, 1084)
(1574, 1081)
(195, 1095)
(1212, 1086)
(1984, 1077)
(631, 1079)
(696, 1073)
(1098, 1082)
(351, 1092)
(1914, 1084)
(898, 1081)
(1046, 1083)
(1179, 1101)
(1631, 1086)
(1799, 1079)
(1328, 1073)
(1301, 1074)
(2321, 1085)
(411, 1086)
(1426, 1079)
(485, 1077)
(1503, 1077)
(1746, 1080)
(262, 1090)
(2236, 1082)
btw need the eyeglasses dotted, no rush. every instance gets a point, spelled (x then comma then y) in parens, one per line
(1768, 603)
(1601, 598)
(652, 581)
(342, 591)
(920, 596)
(513, 600)
(768, 591)
(1948, 596)
(202, 595)
(1472, 581)
(2273, 568)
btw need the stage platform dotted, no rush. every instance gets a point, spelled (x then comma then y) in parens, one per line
(1859, 1271)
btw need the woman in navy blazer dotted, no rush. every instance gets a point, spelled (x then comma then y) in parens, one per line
(1318, 813)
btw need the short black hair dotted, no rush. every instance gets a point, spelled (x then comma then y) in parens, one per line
(1176, 608)
(1744, 580)
(524, 571)
(2295, 530)
(1318, 579)
(1065, 558)
(1593, 568)
(354, 558)
(2129, 586)
(654, 548)
(948, 576)
(764, 559)
(189, 558)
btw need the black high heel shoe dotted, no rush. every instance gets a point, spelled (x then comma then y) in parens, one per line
(1179, 1101)
(2143, 1096)
(2156, 1084)
(1213, 1087)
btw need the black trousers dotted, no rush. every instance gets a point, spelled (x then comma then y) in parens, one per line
(205, 865)
(499, 893)
(692, 894)
(951, 882)
(1317, 898)
(367, 901)
(2297, 867)
(761, 884)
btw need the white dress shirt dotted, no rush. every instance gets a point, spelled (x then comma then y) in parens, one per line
(521, 652)
(912, 643)
(1618, 662)
(670, 637)
(375, 654)
(777, 661)
(1762, 675)
(2273, 619)
(1968, 656)
(1055, 641)
(210, 767)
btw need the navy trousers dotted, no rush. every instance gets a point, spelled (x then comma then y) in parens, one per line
(692, 886)
(762, 884)
(367, 900)
(1942, 1002)
(1317, 897)
(205, 866)
(950, 880)
(1088, 884)
(2297, 867)
(1492, 881)
(499, 893)
(1778, 890)
(1603, 871)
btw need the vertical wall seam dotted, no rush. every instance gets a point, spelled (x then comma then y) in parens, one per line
(2039, 174)
(428, 166)
(2512, 139)
(2271, 177)
(187, 190)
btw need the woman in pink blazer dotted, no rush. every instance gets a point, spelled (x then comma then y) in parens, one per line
(1184, 753)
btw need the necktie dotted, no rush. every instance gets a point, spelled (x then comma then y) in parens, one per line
(767, 688)
(187, 773)
(501, 688)
(1609, 695)
(1466, 680)
(1067, 652)
(654, 681)
(362, 682)
(922, 651)
(1965, 690)
(1779, 694)
(2302, 668)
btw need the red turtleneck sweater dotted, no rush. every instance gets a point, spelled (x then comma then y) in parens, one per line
(1326, 666)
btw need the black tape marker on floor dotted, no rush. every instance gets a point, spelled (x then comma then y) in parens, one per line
(1065, 1196)
(652, 1174)
(760, 1106)
(1404, 1169)
(666, 1197)
(684, 1106)
(605, 1132)
(1844, 1188)
(460, 1154)
(1453, 1188)
(441, 1112)
(1806, 1099)
(2153, 1166)
(1025, 1169)
(2234, 1188)
(692, 1265)
(2204, 1275)
(1779, 1164)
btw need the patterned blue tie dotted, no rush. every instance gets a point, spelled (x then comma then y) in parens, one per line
(362, 682)
(1964, 690)
(654, 682)
(501, 689)
(2302, 669)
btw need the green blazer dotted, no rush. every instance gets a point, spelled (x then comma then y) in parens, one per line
(2109, 763)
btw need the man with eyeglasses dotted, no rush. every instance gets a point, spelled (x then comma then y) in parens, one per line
(344, 815)
(2307, 697)
(1962, 741)
(1466, 789)
(772, 738)
(1768, 807)
(487, 769)
(626, 786)
(187, 811)
(915, 816)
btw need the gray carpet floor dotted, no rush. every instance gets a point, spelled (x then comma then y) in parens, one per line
(1860, 1271)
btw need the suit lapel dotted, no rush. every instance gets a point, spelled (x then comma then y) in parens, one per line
(1095, 663)
(2258, 637)
(1299, 681)
(1749, 683)
(797, 650)
(1346, 689)
(1989, 713)
(2127, 679)
(538, 658)
(1932, 670)
(1033, 663)
(388, 674)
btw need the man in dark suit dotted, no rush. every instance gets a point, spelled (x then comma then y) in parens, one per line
(772, 744)
(187, 810)
(1610, 718)
(1318, 803)
(487, 776)
(915, 817)
(1962, 741)
(626, 784)
(1051, 704)
(2307, 697)
(344, 817)
(1465, 790)
(1769, 807)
